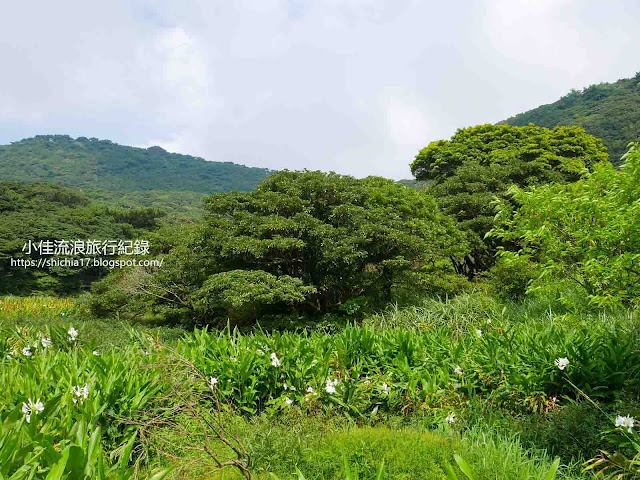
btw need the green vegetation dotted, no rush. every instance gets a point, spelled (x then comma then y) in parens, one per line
(610, 111)
(407, 394)
(39, 211)
(301, 245)
(481, 325)
(178, 206)
(92, 164)
(585, 232)
(124, 176)
(480, 163)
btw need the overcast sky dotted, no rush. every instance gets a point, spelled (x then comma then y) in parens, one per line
(357, 87)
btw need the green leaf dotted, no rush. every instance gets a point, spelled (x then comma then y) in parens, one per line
(451, 474)
(57, 471)
(551, 474)
(464, 466)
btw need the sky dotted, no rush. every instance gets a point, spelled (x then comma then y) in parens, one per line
(357, 87)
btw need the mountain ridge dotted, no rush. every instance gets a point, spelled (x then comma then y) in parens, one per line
(93, 164)
(610, 111)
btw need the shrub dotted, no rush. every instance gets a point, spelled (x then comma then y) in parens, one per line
(511, 276)
(586, 232)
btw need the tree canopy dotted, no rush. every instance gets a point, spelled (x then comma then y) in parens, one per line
(305, 243)
(586, 231)
(479, 164)
(40, 211)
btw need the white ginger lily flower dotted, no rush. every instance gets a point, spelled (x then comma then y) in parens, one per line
(625, 422)
(73, 334)
(274, 360)
(330, 386)
(80, 393)
(561, 363)
(32, 408)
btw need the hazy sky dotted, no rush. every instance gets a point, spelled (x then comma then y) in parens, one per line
(356, 87)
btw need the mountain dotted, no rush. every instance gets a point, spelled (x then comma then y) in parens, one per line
(610, 111)
(92, 164)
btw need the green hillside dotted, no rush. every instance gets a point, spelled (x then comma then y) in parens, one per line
(92, 164)
(610, 111)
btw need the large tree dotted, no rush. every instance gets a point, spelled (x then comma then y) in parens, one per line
(480, 163)
(305, 243)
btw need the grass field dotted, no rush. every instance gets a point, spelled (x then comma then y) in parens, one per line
(465, 388)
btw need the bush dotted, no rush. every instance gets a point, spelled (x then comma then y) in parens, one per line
(575, 431)
(511, 276)
(480, 163)
(586, 232)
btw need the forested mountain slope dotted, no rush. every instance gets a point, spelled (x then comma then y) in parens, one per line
(610, 111)
(92, 164)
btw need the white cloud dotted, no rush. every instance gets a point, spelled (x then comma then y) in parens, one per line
(357, 87)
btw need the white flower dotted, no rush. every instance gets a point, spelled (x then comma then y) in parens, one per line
(561, 363)
(292, 388)
(73, 334)
(451, 418)
(330, 387)
(46, 342)
(479, 332)
(284, 385)
(385, 388)
(274, 360)
(81, 393)
(26, 351)
(96, 353)
(288, 401)
(310, 390)
(457, 370)
(32, 408)
(625, 422)
(213, 381)
(488, 320)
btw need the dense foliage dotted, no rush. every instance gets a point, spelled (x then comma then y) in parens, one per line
(63, 408)
(40, 211)
(587, 232)
(89, 163)
(178, 206)
(479, 164)
(70, 409)
(125, 176)
(512, 364)
(610, 111)
(340, 376)
(305, 243)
